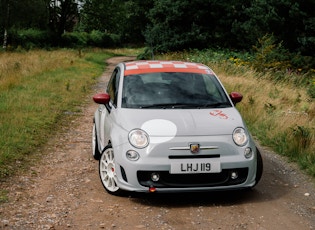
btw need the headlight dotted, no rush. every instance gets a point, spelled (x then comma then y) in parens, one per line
(138, 138)
(240, 136)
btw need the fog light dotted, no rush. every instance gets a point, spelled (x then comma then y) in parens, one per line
(248, 153)
(132, 155)
(155, 177)
(234, 175)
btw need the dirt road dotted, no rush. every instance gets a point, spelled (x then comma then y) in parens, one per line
(64, 192)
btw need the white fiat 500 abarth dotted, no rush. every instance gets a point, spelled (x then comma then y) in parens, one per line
(170, 126)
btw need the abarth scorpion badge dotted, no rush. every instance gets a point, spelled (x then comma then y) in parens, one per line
(194, 148)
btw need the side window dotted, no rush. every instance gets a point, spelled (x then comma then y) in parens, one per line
(113, 86)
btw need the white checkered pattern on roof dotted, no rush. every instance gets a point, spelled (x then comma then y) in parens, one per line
(139, 67)
(163, 64)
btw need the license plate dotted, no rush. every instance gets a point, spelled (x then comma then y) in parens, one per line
(203, 166)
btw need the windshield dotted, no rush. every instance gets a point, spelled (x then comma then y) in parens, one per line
(173, 90)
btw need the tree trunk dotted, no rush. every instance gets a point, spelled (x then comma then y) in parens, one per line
(6, 24)
(5, 39)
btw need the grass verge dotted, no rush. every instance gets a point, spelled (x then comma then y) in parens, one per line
(38, 90)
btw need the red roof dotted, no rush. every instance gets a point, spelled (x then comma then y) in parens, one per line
(138, 67)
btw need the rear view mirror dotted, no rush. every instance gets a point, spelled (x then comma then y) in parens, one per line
(236, 97)
(101, 98)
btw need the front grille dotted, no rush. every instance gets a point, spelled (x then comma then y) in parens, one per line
(168, 180)
(194, 156)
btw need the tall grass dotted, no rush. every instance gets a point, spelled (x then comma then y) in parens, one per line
(280, 114)
(37, 88)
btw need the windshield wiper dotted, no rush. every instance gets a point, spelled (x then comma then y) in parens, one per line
(171, 106)
(217, 105)
(186, 105)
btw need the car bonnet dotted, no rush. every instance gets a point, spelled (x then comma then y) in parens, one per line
(181, 122)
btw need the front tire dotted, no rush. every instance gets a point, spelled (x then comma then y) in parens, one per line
(107, 171)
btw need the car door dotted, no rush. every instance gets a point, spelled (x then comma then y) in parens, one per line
(106, 120)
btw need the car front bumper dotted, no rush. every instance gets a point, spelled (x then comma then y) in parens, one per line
(236, 171)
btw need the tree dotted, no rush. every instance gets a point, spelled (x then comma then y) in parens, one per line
(100, 15)
(134, 20)
(63, 15)
(174, 25)
(291, 22)
(127, 19)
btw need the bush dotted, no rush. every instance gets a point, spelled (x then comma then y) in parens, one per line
(115, 40)
(74, 39)
(30, 38)
(96, 38)
(268, 55)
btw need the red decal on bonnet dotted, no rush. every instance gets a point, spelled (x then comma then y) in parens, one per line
(219, 113)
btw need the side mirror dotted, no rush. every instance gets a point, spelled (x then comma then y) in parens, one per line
(101, 98)
(236, 97)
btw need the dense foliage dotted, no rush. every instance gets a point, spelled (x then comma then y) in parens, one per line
(237, 24)
(166, 24)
